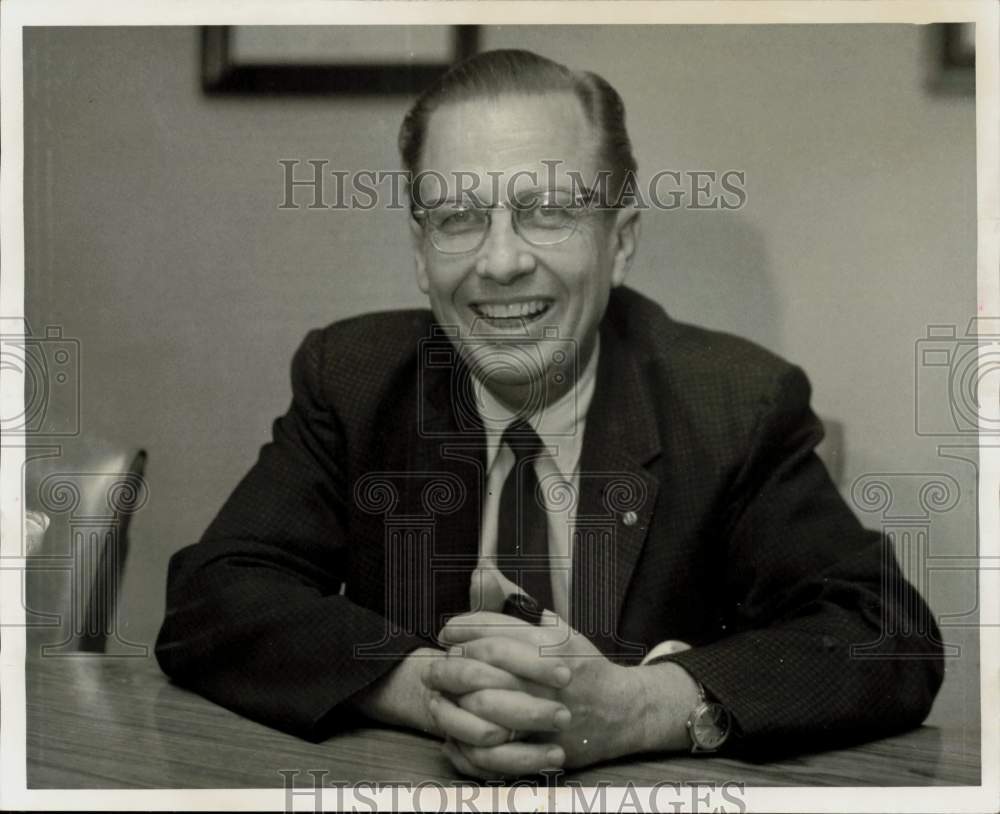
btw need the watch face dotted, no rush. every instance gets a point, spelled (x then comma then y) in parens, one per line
(710, 725)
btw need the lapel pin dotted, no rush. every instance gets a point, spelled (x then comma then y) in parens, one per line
(630, 518)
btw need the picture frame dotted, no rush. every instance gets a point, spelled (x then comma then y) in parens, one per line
(959, 45)
(271, 61)
(954, 68)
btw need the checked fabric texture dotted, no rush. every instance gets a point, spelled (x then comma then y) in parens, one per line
(736, 542)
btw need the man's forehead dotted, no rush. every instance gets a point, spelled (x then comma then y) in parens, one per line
(509, 134)
(550, 106)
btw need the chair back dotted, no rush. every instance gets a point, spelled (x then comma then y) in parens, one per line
(89, 490)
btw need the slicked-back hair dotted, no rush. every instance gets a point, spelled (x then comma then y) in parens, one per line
(492, 74)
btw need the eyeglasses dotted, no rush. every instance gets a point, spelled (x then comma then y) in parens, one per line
(542, 220)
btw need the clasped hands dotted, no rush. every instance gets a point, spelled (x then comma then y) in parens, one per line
(512, 698)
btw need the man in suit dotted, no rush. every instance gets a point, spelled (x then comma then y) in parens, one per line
(640, 496)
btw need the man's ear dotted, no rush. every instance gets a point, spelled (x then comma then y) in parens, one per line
(417, 241)
(626, 241)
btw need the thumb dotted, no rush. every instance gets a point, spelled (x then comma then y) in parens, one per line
(485, 591)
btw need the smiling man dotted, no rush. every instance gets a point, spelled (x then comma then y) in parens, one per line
(533, 262)
(543, 521)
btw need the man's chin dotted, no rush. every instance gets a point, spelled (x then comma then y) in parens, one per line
(505, 368)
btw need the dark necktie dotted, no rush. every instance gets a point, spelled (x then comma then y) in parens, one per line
(522, 528)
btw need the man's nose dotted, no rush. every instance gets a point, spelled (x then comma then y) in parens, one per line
(505, 255)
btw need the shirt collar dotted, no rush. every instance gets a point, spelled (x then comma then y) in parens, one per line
(559, 424)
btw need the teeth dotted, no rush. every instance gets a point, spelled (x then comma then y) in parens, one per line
(510, 310)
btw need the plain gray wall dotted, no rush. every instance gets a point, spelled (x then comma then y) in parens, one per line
(153, 236)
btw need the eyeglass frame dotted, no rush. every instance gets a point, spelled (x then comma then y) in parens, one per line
(420, 214)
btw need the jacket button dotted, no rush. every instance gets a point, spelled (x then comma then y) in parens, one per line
(630, 518)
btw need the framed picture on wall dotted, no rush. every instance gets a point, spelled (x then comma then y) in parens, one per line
(954, 68)
(263, 60)
(960, 45)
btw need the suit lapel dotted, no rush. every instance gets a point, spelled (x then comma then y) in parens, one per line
(616, 499)
(447, 458)
(617, 495)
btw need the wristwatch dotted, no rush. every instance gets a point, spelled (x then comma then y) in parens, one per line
(709, 724)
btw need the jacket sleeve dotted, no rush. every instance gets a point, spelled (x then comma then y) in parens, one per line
(828, 639)
(255, 620)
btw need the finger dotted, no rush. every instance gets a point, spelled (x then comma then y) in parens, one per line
(461, 762)
(459, 723)
(516, 710)
(552, 631)
(485, 590)
(512, 759)
(458, 675)
(518, 657)
(484, 623)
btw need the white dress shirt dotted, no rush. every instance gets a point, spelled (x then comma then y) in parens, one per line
(560, 427)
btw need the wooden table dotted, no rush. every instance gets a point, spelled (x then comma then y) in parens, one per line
(99, 722)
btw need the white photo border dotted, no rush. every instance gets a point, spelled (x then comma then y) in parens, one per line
(16, 14)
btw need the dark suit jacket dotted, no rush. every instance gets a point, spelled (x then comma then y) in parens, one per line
(739, 543)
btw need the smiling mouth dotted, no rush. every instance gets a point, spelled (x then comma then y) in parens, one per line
(511, 314)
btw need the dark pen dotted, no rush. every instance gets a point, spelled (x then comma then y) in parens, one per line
(521, 606)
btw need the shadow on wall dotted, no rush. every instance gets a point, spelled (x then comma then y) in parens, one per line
(709, 268)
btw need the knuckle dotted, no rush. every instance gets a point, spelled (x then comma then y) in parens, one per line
(498, 736)
(539, 758)
(472, 650)
(488, 649)
(482, 757)
(466, 673)
(503, 647)
(541, 715)
(490, 736)
(476, 702)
